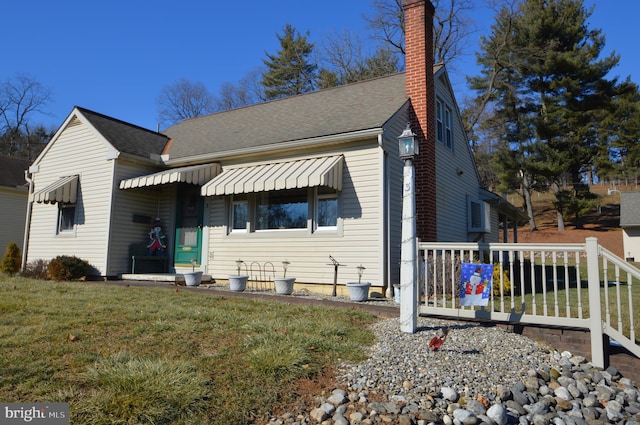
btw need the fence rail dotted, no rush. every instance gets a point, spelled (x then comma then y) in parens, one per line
(570, 285)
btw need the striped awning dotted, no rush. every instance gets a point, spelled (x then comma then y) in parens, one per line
(323, 171)
(195, 174)
(64, 190)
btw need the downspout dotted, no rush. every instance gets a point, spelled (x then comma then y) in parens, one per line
(27, 224)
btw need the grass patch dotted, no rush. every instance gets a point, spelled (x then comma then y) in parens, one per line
(154, 355)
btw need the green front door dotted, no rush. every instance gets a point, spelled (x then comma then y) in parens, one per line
(188, 226)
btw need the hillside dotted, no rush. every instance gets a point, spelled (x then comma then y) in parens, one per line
(603, 224)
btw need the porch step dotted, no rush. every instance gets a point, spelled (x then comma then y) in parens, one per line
(160, 277)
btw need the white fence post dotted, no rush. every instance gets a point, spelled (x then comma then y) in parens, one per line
(595, 309)
(408, 253)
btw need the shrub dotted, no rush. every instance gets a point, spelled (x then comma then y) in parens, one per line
(10, 262)
(497, 286)
(65, 267)
(36, 270)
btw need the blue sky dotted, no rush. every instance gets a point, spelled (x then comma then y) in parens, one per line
(114, 57)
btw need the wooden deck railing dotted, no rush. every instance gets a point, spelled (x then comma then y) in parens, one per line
(569, 285)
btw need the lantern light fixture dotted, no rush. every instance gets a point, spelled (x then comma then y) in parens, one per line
(408, 144)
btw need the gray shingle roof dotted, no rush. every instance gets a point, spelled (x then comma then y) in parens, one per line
(629, 209)
(127, 137)
(360, 106)
(12, 171)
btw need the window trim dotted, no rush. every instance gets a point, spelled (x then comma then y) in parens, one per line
(233, 202)
(70, 231)
(313, 195)
(485, 216)
(444, 124)
(317, 198)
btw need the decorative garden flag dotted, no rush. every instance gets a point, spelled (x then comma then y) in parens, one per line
(475, 284)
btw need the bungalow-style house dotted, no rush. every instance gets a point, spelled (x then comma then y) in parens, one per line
(630, 223)
(13, 199)
(297, 179)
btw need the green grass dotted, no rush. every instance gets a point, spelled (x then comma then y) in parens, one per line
(127, 355)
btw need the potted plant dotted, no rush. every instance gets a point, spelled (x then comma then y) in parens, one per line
(284, 284)
(194, 277)
(359, 291)
(238, 282)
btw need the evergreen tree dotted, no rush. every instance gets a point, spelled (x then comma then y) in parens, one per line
(10, 262)
(620, 157)
(289, 72)
(543, 76)
(561, 66)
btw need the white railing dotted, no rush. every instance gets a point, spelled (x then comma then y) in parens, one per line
(568, 285)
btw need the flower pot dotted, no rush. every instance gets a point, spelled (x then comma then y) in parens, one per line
(284, 285)
(238, 283)
(358, 291)
(192, 278)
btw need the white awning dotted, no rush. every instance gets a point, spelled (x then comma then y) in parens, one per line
(323, 171)
(64, 190)
(195, 174)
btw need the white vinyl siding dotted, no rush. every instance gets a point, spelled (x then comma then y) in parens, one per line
(394, 176)
(14, 209)
(631, 242)
(456, 177)
(358, 240)
(76, 151)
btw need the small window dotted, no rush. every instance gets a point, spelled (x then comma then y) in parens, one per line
(326, 210)
(448, 130)
(444, 124)
(479, 214)
(439, 120)
(66, 218)
(239, 214)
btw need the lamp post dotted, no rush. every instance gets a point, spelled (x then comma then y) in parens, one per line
(408, 257)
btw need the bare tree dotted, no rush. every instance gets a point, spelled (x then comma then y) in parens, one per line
(452, 25)
(343, 54)
(22, 96)
(248, 91)
(387, 22)
(184, 99)
(346, 61)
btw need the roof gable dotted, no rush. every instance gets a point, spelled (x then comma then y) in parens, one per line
(126, 137)
(343, 109)
(120, 135)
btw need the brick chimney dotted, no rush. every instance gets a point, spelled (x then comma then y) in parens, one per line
(418, 23)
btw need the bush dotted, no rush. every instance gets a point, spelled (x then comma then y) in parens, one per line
(11, 260)
(38, 269)
(497, 287)
(64, 267)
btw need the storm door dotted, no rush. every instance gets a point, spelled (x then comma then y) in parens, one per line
(188, 226)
